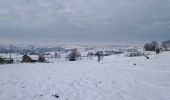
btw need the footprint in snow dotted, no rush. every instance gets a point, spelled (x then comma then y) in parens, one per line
(56, 96)
(134, 64)
(100, 82)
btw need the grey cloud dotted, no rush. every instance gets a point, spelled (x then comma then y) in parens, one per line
(81, 20)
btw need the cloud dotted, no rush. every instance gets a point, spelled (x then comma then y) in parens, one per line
(95, 20)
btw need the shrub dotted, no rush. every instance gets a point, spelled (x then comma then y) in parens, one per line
(41, 58)
(74, 55)
(135, 54)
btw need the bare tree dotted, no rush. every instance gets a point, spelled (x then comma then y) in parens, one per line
(57, 55)
(10, 50)
(151, 46)
(99, 55)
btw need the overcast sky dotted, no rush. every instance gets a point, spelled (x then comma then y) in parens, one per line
(84, 21)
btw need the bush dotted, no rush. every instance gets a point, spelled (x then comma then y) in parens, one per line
(74, 55)
(91, 54)
(135, 54)
(41, 58)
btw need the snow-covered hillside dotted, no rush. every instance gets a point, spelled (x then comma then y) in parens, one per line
(115, 78)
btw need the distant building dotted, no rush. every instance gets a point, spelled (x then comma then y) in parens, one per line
(6, 61)
(2, 61)
(26, 58)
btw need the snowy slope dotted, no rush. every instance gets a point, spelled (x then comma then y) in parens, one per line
(115, 78)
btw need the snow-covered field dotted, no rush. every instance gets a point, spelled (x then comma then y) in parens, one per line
(115, 78)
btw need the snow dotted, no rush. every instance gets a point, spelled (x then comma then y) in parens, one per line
(115, 78)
